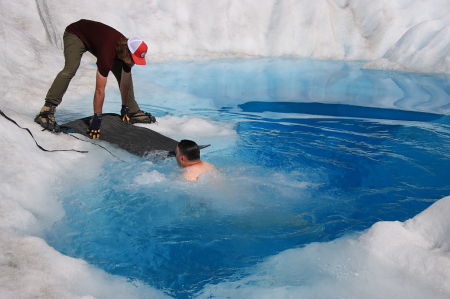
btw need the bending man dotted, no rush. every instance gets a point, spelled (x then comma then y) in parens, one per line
(188, 157)
(114, 53)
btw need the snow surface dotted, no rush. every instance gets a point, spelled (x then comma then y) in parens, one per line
(411, 35)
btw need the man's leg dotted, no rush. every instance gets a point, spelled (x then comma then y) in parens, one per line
(73, 51)
(136, 114)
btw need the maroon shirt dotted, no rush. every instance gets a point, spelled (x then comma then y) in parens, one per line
(101, 41)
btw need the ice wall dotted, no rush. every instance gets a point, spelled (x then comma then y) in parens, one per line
(423, 48)
(409, 33)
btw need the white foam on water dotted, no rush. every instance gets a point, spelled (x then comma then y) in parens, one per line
(151, 177)
(202, 130)
(405, 260)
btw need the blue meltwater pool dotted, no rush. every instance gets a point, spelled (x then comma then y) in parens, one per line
(315, 150)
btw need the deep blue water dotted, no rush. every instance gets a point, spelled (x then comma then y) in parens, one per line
(323, 150)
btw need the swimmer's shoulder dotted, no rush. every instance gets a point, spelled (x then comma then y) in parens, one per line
(192, 173)
(209, 166)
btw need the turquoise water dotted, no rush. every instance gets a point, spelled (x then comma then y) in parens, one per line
(324, 149)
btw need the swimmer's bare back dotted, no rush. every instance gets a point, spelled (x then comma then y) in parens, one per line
(192, 173)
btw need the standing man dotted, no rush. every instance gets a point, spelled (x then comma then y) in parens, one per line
(114, 53)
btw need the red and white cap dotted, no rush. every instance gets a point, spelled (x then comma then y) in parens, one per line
(138, 49)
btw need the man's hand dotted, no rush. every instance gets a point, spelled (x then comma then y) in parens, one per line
(124, 113)
(94, 128)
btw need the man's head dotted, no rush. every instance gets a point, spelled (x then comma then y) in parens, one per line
(132, 51)
(123, 53)
(187, 152)
(138, 49)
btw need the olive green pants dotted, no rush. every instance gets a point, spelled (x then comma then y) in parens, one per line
(74, 48)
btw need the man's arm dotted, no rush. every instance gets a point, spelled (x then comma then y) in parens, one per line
(125, 84)
(99, 96)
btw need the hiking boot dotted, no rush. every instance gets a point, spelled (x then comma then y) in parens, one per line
(141, 117)
(46, 118)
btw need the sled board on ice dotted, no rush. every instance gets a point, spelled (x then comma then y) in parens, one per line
(136, 140)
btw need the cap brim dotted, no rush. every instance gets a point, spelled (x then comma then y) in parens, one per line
(139, 60)
(203, 146)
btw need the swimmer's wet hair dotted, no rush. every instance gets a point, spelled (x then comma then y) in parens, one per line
(189, 149)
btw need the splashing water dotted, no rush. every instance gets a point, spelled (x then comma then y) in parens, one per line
(308, 151)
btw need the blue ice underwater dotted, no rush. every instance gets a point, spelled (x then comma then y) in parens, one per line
(323, 149)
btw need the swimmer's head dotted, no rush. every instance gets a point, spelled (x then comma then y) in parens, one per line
(189, 149)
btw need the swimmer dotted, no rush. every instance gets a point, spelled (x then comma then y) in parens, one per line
(188, 157)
